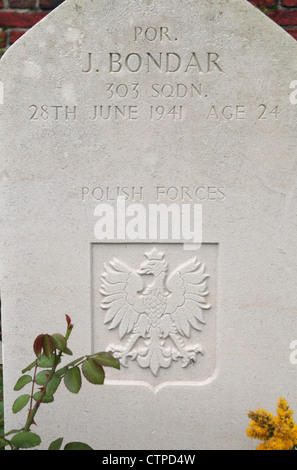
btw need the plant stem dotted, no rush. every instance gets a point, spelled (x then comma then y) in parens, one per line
(32, 391)
(33, 411)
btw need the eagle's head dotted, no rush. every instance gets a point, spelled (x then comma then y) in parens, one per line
(155, 264)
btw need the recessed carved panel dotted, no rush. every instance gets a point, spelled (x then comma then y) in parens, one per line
(154, 308)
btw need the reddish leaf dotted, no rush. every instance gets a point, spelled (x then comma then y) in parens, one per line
(38, 345)
(69, 324)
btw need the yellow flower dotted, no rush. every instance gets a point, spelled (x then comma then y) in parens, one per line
(277, 432)
(275, 444)
(283, 411)
(262, 425)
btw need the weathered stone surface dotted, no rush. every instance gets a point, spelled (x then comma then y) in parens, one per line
(159, 102)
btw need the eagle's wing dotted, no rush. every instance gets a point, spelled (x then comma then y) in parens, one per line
(188, 288)
(120, 290)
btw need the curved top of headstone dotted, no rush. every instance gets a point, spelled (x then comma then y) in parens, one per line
(224, 19)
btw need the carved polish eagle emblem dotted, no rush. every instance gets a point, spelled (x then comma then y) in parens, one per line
(154, 315)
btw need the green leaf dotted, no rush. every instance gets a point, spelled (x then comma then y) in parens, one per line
(61, 371)
(29, 367)
(12, 431)
(20, 403)
(59, 341)
(45, 362)
(24, 380)
(93, 372)
(25, 440)
(56, 445)
(72, 380)
(42, 377)
(68, 352)
(3, 442)
(107, 360)
(77, 446)
(45, 399)
(53, 385)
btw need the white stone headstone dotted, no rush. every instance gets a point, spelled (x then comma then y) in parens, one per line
(148, 190)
